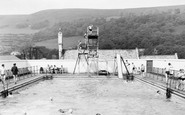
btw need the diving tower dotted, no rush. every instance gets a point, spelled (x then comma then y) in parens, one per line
(89, 50)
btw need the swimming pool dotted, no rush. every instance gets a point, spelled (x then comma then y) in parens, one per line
(88, 96)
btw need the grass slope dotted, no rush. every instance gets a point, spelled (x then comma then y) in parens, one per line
(68, 42)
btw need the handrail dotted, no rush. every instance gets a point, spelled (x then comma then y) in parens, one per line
(95, 31)
(159, 75)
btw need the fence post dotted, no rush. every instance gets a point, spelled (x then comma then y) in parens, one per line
(34, 70)
(173, 77)
(33, 67)
(154, 72)
(37, 70)
(8, 76)
(31, 70)
(162, 73)
(27, 68)
(157, 72)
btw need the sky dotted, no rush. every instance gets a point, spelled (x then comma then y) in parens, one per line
(31, 6)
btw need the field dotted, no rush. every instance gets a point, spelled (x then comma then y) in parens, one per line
(68, 42)
(13, 42)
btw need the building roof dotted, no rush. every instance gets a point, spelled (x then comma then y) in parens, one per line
(8, 57)
(159, 57)
(15, 53)
(106, 54)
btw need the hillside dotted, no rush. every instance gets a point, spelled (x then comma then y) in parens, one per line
(159, 30)
(158, 33)
(32, 23)
(68, 42)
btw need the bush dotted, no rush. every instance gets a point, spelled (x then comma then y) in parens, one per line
(22, 25)
(40, 25)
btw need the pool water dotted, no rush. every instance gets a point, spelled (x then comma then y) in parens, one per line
(88, 96)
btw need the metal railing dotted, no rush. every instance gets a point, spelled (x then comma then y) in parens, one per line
(24, 73)
(26, 76)
(159, 75)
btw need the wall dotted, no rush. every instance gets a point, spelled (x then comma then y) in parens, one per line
(9, 63)
(176, 63)
(103, 64)
(69, 64)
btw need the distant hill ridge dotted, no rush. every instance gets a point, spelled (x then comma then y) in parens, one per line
(27, 24)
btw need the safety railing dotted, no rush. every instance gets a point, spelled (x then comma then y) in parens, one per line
(93, 32)
(23, 73)
(159, 75)
(26, 74)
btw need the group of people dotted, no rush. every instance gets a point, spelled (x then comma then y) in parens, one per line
(133, 69)
(180, 77)
(169, 74)
(54, 70)
(3, 72)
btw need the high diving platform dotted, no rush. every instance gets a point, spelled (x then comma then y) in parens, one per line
(89, 50)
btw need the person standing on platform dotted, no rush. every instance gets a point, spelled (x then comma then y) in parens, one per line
(3, 75)
(90, 29)
(15, 72)
(143, 70)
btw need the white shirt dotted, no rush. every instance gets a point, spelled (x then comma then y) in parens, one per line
(142, 67)
(2, 69)
(169, 68)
